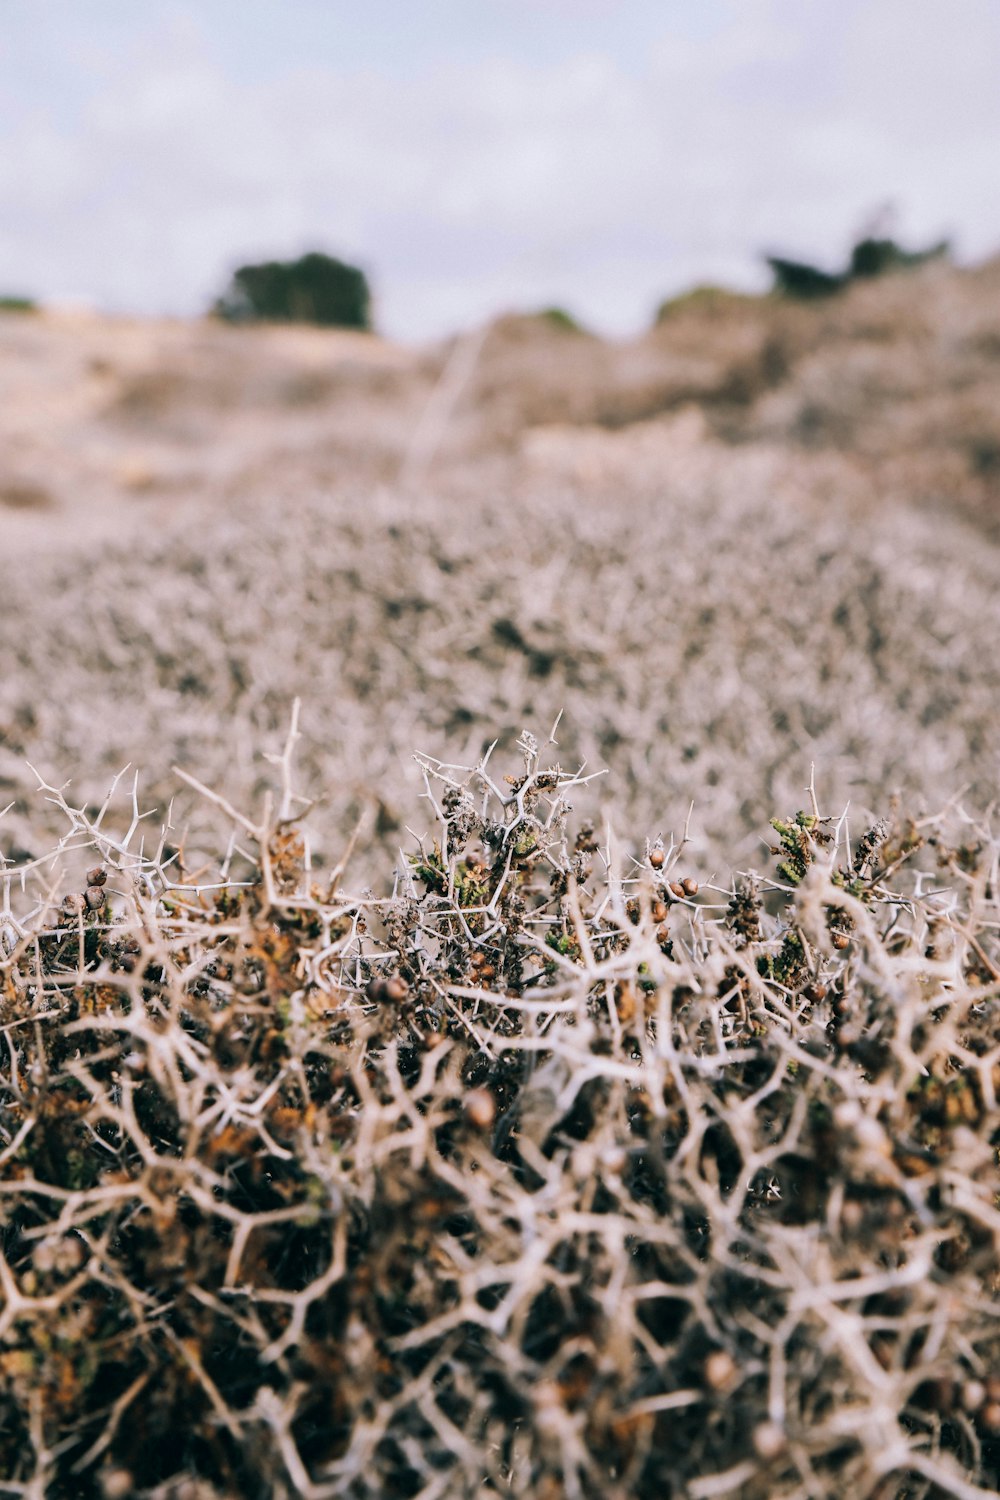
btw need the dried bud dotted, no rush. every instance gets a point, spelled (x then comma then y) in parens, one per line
(127, 956)
(43, 1257)
(480, 1108)
(71, 1254)
(98, 875)
(871, 1136)
(625, 1002)
(973, 1395)
(768, 1440)
(852, 1216)
(388, 991)
(656, 858)
(613, 1159)
(941, 1394)
(117, 1484)
(63, 1254)
(720, 1368)
(990, 1416)
(847, 1114)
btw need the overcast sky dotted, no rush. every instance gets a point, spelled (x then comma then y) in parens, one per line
(476, 155)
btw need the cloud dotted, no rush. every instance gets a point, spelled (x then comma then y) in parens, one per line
(505, 179)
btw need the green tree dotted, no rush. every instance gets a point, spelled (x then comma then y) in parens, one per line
(316, 288)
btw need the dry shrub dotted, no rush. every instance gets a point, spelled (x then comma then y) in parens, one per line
(547, 1174)
(711, 622)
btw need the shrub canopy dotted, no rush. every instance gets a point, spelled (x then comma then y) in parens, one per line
(316, 288)
(870, 257)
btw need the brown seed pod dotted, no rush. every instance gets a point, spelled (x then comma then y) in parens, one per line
(387, 990)
(676, 889)
(128, 958)
(98, 875)
(625, 1002)
(73, 903)
(840, 940)
(95, 897)
(656, 858)
(689, 886)
(814, 992)
(480, 1108)
(659, 911)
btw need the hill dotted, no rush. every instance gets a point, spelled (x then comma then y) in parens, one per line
(762, 535)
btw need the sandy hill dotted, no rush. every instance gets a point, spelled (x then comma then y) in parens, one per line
(760, 535)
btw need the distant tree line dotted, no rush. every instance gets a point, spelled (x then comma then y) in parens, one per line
(871, 256)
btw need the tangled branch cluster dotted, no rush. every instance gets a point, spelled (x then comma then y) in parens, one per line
(547, 1174)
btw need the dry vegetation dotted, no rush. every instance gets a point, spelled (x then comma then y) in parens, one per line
(716, 596)
(531, 1166)
(548, 1174)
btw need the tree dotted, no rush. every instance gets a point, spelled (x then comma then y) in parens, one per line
(871, 256)
(316, 288)
(796, 278)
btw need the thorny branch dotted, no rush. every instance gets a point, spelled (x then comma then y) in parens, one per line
(550, 1173)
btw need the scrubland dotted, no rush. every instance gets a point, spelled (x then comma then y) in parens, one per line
(374, 1126)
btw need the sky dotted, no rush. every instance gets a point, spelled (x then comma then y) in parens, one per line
(478, 156)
